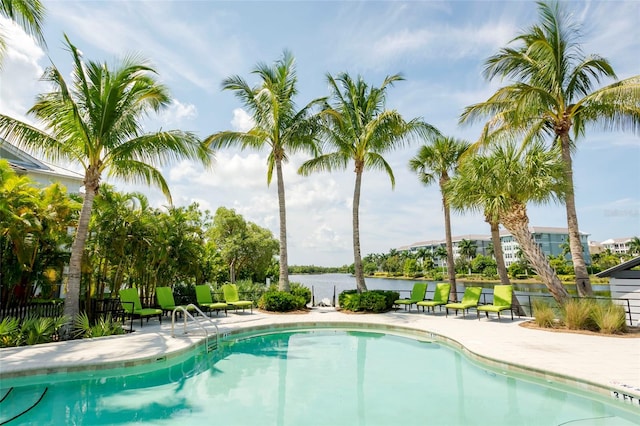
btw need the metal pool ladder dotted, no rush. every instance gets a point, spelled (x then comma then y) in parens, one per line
(185, 315)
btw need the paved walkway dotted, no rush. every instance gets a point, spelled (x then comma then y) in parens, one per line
(608, 365)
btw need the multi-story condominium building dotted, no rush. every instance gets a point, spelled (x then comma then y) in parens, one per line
(550, 239)
(617, 245)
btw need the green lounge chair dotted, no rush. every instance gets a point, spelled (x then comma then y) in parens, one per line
(164, 296)
(132, 307)
(470, 299)
(440, 297)
(203, 296)
(417, 295)
(502, 297)
(230, 292)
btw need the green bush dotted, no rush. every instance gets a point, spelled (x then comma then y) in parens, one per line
(280, 301)
(105, 326)
(609, 317)
(543, 314)
(577, 314)
(30, 331)
(183, 294)
(368, 301)
(299, 290)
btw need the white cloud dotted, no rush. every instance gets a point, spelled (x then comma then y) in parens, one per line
(20, 72)
(177, 113)
(241, 121)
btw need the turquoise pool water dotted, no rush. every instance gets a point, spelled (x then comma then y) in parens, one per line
(327, 377)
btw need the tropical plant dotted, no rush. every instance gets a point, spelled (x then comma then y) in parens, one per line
(29, 14)
(609, 318)
(634, 246)
(278, 125)
(438, 162)
(467, 249)
(104, 326)
(543, 314)
(501, 184)
(96, 122)
(553, 94)
(358, 128)
(245, 248)
(576, 314)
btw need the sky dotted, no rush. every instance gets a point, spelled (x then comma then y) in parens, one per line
(438, 46)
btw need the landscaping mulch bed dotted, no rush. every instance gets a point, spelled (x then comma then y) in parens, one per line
(632, 332)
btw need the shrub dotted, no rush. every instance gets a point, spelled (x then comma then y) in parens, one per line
(577, 314)
(543, 314)
(299, 290)
(9, 332)
(368, 301)
(183, 293)
(609, 317)
(105, 326)
(280, 301)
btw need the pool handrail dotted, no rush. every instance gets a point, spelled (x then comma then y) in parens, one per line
(185, 313)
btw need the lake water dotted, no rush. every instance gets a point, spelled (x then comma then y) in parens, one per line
(330, 285)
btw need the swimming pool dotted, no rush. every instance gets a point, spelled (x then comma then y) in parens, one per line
(319, 377)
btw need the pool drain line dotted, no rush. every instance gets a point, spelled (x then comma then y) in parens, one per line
(586, 418)
(6, 394)
(27, 410)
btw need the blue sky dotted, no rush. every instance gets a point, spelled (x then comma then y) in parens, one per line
(439, 46)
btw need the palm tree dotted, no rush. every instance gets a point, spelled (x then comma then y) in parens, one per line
(502, 184)
(553, 94)
(278, 125)
(467, 248)
(634, 246)
(360, 129)
(443, 254)
(438, 161)
(95, 123)
(26, 13)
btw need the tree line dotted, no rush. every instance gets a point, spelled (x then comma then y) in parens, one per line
(129, 243)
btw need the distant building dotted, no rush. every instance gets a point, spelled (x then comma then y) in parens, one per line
(617, 245)
(40, 171)
(549, 239)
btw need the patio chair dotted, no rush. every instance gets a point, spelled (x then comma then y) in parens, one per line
(417, 295)
(203, 296)
(470, 299)
(502, 297)
(440, 297)
(132, 307)
(230, 292)
(164, 296)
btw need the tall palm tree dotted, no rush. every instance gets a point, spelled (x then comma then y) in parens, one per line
(438, 161)
(96, 123)
(553, 94)
(278, 125)
(29, 14)
(634, 246)
(501, 184)
(359, 128)
(467, 248)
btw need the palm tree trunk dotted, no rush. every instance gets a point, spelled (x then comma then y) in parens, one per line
(357, 257)
(497, 251)
(502, 269)
(451, 269)
(517, 222)
(72, 298)
(583, 283)
(283, 283)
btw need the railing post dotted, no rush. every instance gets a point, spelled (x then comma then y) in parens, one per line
(313, 297)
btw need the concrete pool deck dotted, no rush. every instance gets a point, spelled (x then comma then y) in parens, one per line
(597, 363)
